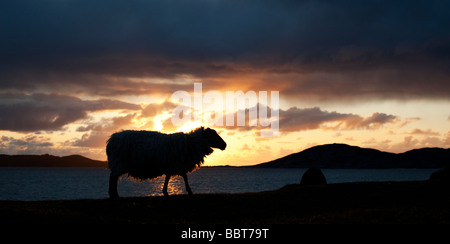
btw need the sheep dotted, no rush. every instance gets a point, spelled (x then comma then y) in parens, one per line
(149, 154)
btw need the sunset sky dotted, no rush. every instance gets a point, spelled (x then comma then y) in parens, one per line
(365, 73)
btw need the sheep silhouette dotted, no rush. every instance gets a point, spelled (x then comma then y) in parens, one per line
(149, 154)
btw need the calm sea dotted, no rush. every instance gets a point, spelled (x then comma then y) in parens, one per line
(30, 184)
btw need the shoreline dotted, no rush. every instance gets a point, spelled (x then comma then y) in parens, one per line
(358, 202)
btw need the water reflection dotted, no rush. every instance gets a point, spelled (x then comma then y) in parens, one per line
(26, 184)
(130, 187)
(175, 186)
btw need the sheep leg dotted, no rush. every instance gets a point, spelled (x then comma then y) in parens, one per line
(166, 182)
(188, 188)
(113, 178)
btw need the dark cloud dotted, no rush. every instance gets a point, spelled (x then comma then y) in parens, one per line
(93, 139)
(301, 119)
(313, 49)
(99, 131)
(427, 132)
(204, 29)
(153, 109)
(27, 141)
(21, 112)
(297, 119)
(29, 144)
(109, 124)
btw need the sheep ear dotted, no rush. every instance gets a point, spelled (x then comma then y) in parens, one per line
(209, 131)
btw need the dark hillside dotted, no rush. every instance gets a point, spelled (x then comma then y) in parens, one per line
(47, 160)
(345, 156)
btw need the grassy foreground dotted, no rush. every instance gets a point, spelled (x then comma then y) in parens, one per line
(378, 202)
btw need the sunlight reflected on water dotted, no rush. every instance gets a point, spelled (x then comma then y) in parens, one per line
(129, 187)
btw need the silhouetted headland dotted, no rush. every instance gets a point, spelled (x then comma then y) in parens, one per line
(47, 160)
(343, 156)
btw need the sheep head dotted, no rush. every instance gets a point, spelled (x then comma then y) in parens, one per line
(213, 139)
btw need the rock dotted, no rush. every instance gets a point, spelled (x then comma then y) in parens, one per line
(313, 176)
(442, 175)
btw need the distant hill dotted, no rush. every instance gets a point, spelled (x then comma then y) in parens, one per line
(47, 160)
(347, 157)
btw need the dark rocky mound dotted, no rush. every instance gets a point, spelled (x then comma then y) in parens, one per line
(442, 175)
(313, 176)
